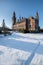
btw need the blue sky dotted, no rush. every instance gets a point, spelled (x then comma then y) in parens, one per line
(25, 8)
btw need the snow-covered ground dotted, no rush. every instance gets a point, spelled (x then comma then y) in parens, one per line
(21, 49)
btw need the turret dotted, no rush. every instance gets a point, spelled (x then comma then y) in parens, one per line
(3, 23)
(37, 16)
(37, 21)
(14, 19)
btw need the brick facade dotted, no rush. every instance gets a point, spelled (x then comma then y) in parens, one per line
(29, 24)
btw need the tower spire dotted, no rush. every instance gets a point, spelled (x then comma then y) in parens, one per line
(37, 16)
(14, 18)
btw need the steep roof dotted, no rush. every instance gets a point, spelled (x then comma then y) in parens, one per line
(20, 21)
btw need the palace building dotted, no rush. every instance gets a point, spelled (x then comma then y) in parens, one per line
(27, 24)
